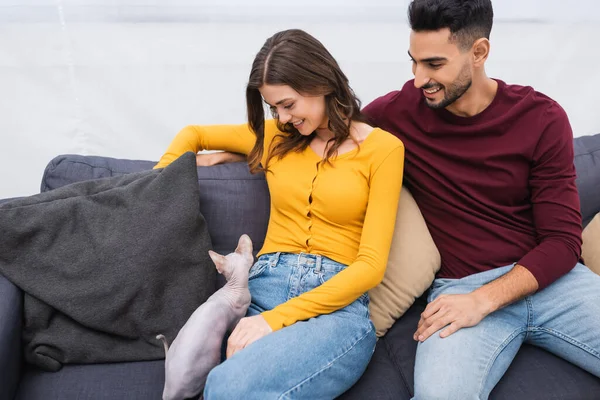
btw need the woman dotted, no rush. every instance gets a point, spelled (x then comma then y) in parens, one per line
(334, 183)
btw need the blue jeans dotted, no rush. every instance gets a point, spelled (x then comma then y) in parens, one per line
(563, 318)
(315, 359)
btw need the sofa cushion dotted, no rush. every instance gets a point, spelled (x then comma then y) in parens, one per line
(587, 164)
(114, 381)
(412, 264)
(591, 245)
(534, 374)
(381, 380)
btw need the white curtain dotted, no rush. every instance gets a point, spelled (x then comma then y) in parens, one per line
(119, 78)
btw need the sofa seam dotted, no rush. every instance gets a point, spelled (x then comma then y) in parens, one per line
(588, 153)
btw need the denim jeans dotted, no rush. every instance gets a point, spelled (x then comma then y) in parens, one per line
(315, 359)
(563, 318)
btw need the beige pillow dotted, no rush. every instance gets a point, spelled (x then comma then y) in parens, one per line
(412, 264)
(591, 245)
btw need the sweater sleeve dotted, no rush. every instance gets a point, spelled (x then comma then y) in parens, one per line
(375, 109)
(368, 269)
(234, 138)
(555, 200)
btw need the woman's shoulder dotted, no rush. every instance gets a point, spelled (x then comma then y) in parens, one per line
(382, 139)
(379, 146)
(360, 131)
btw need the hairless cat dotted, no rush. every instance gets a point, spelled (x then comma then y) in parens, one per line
(197, 348)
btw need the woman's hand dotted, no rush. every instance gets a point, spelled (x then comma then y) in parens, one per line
(223, 157)
(247, 331)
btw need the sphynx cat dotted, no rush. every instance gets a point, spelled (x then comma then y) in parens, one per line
(197, 348)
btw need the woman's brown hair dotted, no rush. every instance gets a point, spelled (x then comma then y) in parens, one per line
(295, 58)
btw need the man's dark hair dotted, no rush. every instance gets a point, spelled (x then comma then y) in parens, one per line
(468, 20)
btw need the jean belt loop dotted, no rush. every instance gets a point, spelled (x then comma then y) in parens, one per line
(275, 259)
(318, 261)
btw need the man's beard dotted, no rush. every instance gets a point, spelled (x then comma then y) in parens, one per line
(452, 93)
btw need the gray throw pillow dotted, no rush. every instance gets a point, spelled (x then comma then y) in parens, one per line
(107, 264)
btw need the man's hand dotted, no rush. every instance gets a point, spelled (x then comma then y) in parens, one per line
(247, 331)
(223, 157)
(454, 311)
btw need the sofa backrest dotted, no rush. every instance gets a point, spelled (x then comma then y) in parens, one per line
(234, 202)
(587, 164)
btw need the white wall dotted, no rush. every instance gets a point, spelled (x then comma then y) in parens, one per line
(119, 78)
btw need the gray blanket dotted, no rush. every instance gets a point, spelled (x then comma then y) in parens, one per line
(108, 264)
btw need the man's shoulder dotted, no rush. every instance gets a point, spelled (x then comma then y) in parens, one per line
(537, 115)
(531, 99)
(393, 103)
(405, 96)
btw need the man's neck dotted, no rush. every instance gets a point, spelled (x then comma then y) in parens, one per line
(479, 96)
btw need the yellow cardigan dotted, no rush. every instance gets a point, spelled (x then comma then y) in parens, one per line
(350, 218)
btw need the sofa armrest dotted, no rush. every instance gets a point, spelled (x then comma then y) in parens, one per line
(11, 311)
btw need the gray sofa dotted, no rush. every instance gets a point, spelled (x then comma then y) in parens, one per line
(234, 202)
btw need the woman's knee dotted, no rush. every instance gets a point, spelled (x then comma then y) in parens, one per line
(223, 383)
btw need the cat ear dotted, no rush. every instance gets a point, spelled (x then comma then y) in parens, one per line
(244, 245)
(218, 259)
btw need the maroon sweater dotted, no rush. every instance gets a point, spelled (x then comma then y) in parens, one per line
(496, 188)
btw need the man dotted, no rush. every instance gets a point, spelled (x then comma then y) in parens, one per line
(491, 168)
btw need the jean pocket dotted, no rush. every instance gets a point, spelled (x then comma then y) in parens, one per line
(258, 269)
(324, 276)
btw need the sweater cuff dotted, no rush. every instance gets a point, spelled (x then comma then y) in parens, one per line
(544, 269)
(274, 320)
(529, 264)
